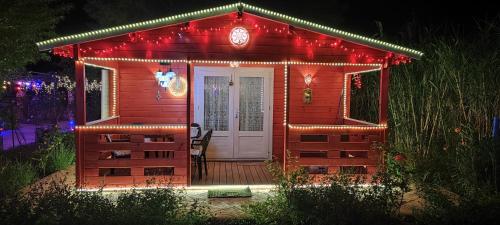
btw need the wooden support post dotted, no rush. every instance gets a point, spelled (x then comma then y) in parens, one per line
(384, 96)
(287, 113)
(347, 90)
(80, 89)
(188, 121)
(384, 100)
(80, 114)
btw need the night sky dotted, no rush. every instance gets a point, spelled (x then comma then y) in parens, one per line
(354, 16)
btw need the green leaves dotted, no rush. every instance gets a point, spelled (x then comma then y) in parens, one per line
(22, 24)
(441, 110)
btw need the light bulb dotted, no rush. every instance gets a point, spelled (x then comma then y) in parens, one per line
(308, 79)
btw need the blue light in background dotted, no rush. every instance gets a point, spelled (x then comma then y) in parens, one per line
(72, 124)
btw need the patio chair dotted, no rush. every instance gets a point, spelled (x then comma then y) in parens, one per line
(198, 155)
(195, 131)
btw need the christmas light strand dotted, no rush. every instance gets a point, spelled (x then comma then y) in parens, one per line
(285, 94)
(201, 14)
(182, 31)
(377, 127)
(332, 31)
(378, 65)
(117, 30)
(131, 127)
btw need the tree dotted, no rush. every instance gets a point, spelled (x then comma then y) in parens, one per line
(22, 24)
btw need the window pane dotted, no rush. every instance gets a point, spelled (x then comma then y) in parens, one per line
(251, 103)
(216, 100)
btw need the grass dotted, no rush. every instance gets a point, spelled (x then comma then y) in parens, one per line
(15, 175)
(22, 166)
(441, 109)
(57, 152)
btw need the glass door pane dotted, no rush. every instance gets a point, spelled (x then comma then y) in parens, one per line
(216, 103)
(251, 103)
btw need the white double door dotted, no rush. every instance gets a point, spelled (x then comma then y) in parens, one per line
(236, 104)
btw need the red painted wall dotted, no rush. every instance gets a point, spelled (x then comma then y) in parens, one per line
(209, 39)
(138, 91)
(326, 86)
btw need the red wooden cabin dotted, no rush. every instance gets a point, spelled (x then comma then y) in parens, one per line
(241, 70)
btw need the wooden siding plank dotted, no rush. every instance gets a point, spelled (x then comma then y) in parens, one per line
(223, 173)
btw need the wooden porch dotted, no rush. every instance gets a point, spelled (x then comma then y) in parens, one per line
(233, 173)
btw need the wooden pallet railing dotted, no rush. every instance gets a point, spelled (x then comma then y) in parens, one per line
(132, 155)
(330, 149)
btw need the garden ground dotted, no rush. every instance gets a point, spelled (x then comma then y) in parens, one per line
(26, 134)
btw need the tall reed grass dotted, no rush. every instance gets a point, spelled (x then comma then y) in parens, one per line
(441, 109)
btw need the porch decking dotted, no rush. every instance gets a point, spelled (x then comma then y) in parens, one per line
(233, 173)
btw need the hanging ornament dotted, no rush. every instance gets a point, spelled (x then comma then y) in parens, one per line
(357, 81)
(177, 86)
(239, 36)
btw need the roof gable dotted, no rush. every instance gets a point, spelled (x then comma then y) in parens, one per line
(217, 11)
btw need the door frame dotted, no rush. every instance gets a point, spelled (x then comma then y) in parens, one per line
(269, 70)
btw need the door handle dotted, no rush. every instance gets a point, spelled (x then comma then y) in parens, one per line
(236, 115)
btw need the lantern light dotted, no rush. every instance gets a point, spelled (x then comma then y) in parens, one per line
(170, 74)
(158, 74)
(308, 79)
(164, 78)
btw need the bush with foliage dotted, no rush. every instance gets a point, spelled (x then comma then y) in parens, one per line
(61, 205)
(15, 175)
(338, 199)
(446, 208)
(57, 152)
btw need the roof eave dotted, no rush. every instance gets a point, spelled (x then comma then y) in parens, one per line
(217, 11)
(139, 26)
(358, 39)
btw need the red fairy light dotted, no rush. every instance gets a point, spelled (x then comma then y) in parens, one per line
(357, 81)
(400, 157)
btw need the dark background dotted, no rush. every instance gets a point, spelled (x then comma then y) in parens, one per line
(396, 17)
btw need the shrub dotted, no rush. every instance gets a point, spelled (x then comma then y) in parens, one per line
(59, 204)
(15, 175)
(445, 208)
(157, 206)
(57, 152)
(339, 199)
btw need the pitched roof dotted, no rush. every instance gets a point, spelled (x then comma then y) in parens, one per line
(205, 13)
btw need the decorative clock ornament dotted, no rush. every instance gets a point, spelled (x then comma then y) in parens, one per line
(239, 36)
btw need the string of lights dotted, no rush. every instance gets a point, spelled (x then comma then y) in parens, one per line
(131, 127)
(233, 62)
(377, 127)
(201, 14)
